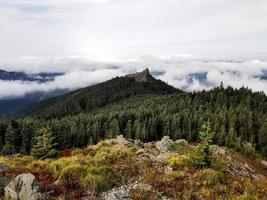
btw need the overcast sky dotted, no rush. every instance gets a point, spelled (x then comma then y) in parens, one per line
(87, 38)
(108, 29)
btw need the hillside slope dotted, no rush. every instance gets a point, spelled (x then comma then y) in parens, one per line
(129, 169)
(89, 98)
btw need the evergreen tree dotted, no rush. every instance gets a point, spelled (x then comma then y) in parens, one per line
(114, 128)
(202, 157)
(8, 149)
(44, 146)
(263, 138)
(128, 129)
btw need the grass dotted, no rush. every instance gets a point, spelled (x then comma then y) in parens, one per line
(101, 167)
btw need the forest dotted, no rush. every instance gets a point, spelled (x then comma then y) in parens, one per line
(238, 118)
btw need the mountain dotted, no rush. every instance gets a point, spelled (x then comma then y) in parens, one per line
(12, 104)
(22, 76)
(92, 97)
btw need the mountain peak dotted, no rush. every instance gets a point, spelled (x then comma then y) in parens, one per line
(143, 76)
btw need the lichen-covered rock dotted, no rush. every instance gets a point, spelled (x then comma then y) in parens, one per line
(220, 152)
(4, 181)
(138, 143)
(164, 144)
(181, 142)
(23, 187)
(123, 192)
(123, 141)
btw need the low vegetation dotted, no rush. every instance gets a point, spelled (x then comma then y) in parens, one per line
(109, 164)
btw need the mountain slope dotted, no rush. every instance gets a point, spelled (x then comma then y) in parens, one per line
(11, 104)
(89, 98)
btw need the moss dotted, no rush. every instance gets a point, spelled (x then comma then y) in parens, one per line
(169, 177)
(247, 196)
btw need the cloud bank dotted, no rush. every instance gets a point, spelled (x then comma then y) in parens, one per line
(182, 71)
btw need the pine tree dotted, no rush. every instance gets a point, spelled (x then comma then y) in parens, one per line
(128, 129)
(202, 157)
(263, 138)
(44, 146)
(114, 128)
(205, 137)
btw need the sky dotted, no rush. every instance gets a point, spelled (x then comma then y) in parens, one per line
(105, 38)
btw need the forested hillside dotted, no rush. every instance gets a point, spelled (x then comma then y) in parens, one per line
(237, 116)
(92, 97)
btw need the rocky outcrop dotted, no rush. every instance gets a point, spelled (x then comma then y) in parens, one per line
(240, 169)
(23, 187)
(164, 144)
(143, 76)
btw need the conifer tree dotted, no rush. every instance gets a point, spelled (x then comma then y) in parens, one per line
(44, 146)
(202, 157)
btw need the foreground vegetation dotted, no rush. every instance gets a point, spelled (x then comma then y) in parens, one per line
(110, 164)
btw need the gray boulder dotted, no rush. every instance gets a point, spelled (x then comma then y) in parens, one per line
(164, 144)
(23, 187)
(181, 142)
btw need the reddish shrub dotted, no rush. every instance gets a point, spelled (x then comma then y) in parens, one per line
(65, 153)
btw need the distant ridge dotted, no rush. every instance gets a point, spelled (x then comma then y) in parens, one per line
(102, 94)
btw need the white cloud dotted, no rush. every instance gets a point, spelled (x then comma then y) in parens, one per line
(177, 71)
(71, 80)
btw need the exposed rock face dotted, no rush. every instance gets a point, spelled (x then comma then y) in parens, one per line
(23, 187)
(165, 144)
(143, 76)
(240, 169)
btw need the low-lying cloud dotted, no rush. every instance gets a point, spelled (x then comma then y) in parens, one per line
(185, 72)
